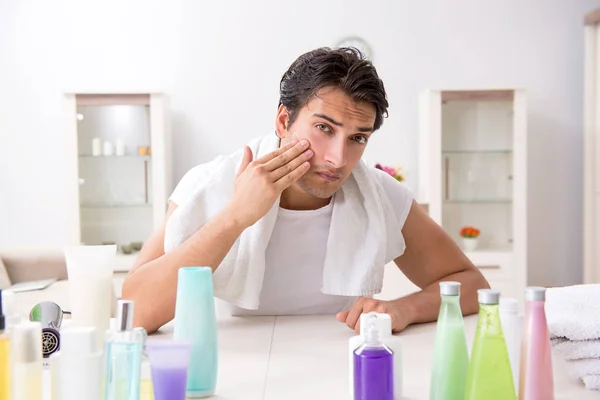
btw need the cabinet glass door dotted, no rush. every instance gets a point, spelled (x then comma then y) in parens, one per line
(477, 163)
(115, 174)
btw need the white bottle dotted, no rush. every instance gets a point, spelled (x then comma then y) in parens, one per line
(512, 324)
(109, 149)
(96, 147)
(120, 147)
(384, 326)
(26, 361)
(77, 367)
(12, 317)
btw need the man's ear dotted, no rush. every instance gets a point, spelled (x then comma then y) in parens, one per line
(281, 122)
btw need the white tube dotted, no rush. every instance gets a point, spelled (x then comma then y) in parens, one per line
(90, 270)
(77, 367)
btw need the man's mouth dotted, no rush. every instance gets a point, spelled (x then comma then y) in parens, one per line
(329, 176)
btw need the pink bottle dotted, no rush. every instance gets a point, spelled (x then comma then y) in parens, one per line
(535, 381)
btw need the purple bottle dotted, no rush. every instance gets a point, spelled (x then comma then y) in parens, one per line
(373, 368)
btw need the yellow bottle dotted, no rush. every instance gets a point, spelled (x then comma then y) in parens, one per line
(4, 357)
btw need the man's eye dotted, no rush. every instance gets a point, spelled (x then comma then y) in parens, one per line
(324, 128)
(361, 139)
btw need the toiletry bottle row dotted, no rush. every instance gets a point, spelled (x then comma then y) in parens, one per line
(488, 374)
(107, 148)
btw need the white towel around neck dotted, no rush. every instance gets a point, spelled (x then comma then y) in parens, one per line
(364, 234)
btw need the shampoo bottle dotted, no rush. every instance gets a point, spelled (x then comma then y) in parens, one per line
(196, 323)
(490, 375)
(450, 354)
(394, 343)
(373, 368)
(123, 357)
(76, 369)
(26, 361)
(512, 326)
(536, 380)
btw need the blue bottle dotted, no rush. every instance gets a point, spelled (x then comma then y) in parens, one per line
(196, 323)
(123, 357)
(373, 368)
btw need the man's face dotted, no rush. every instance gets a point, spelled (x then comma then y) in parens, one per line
(338, 129)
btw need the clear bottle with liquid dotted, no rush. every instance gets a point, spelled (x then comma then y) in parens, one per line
(4, 357)
(373, 368)
(450, 354)
(123, 357)
(394, 343)
(490, 375)
(536, 378)
(26, 361)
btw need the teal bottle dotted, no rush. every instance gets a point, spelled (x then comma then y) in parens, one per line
(196, 323)
(450, 353)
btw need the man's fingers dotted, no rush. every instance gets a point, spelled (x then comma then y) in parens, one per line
(354, 315)
(291, 166)
(287, 180)
(341, 316)
(246, 159)
(268, 157)
(287, 156)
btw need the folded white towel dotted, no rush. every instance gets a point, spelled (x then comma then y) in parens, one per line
(577, 369)
(592, 382)
(576, 349)
(364, 233)
(573, 312)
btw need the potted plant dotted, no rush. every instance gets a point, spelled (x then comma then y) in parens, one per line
(469, 236)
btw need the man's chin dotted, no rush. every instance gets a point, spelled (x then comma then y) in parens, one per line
(320, 191)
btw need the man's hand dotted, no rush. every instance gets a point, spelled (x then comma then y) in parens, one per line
(400, 315)
(258, 183)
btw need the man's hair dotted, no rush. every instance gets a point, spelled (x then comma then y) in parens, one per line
(345, 68)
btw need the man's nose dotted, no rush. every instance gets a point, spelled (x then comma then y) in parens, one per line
(336, 152)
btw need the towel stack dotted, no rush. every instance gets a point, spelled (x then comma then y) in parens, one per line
(573, 314)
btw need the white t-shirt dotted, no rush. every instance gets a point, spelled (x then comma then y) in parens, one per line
(295, 255)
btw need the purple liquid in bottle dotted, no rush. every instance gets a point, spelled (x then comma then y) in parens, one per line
(169, 383)
(373, 372)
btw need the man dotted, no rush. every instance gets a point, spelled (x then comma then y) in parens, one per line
(331, 103)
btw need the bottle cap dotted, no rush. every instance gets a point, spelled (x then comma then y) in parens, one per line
(373, 333)
(26, 342)
(488, 296)
(382, 320)
(78, 341)
(8, 302)
(449, 288)
(2, 321)
(509, 305)
(535, 293)
(124, 315)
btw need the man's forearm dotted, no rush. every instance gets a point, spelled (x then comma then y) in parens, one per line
(153, 286)
(424, 305)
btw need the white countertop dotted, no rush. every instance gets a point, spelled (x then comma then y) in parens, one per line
(306, 357)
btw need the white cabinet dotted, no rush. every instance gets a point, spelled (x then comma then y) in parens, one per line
(591, 151)
(473, 172)
(119, 148)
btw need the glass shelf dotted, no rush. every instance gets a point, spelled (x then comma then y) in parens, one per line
(478, 201)
(101, 206)
(127, 156)
(501, 151)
